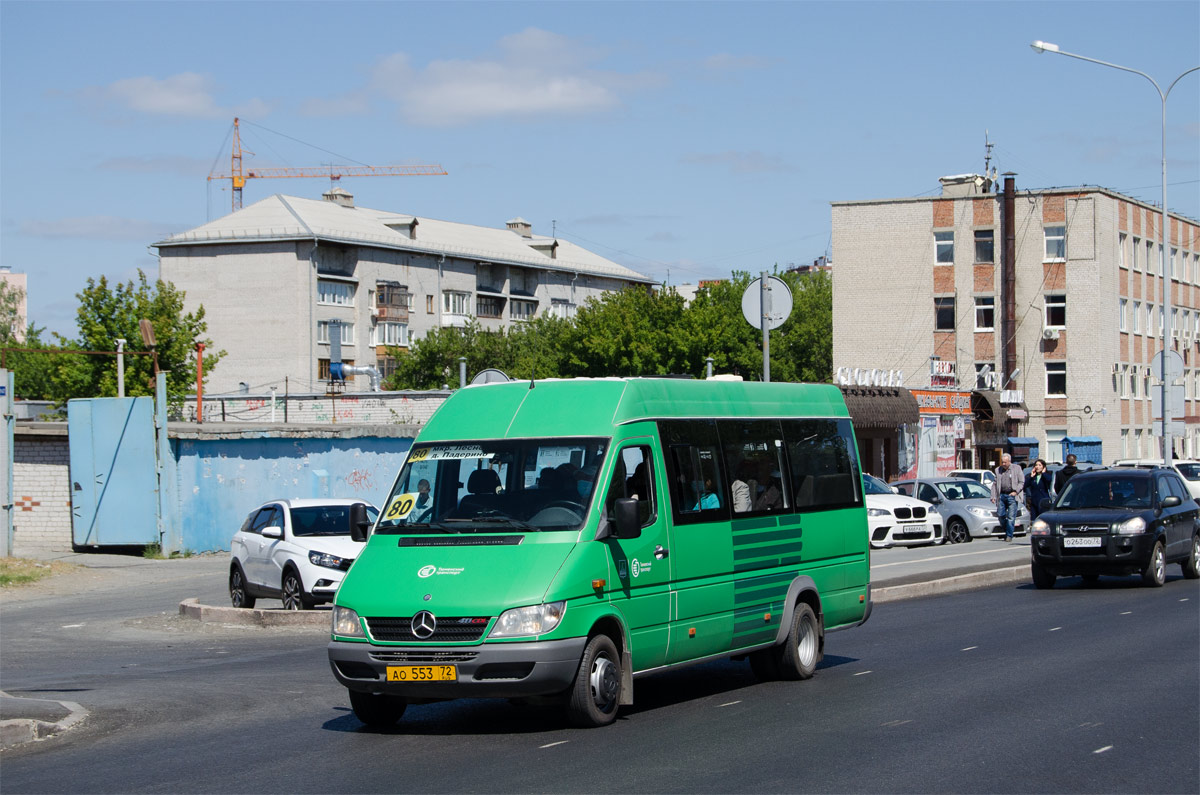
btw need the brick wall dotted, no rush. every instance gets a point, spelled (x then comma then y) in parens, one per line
(41, 494)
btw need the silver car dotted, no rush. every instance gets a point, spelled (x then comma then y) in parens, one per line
(965, 505)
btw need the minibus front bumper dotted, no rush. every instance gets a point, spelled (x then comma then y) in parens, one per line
(490, 670)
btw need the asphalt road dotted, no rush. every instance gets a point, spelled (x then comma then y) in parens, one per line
(1002, 690)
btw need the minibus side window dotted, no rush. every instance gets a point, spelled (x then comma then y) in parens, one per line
(697, 482)
(823, 464)
(633, 477)
(754, 459)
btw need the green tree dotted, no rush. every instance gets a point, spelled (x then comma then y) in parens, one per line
(805, 344)
(432, 361)
(633, 332)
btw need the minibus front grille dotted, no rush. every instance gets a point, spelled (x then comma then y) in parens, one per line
(449, 630)
(423, 658)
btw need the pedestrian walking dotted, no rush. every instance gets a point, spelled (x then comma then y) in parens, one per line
(1065, 474)
(1037, 488)
(1007, 489)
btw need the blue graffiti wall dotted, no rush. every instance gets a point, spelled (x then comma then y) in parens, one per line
(219, 481)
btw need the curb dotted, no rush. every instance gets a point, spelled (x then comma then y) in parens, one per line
(18, 731)
(963, 582)
(191, 608)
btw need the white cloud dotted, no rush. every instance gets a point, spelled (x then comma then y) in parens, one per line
(752, 162)
(187, 94)
(100, 227)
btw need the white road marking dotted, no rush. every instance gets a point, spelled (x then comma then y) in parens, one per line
(1102, 750)
(896, 723)
(1055, 629)
(72, 626)
(970, 648)
(551, 745)
(728, 704)
(1127, 613)
(1184, 599)
(862, 673)
(1090, 725)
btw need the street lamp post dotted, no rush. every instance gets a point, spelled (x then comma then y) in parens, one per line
(1164, 236)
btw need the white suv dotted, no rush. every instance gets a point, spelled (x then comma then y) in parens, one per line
(896, 520)
(294, 550)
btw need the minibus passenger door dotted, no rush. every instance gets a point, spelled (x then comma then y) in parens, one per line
(642, 564)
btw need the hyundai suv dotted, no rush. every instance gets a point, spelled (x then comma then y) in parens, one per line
(1118, 522)
(294, 550)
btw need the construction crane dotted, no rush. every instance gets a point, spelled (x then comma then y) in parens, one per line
(237, 176)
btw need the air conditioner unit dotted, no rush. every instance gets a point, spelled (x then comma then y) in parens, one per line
(1049, 333)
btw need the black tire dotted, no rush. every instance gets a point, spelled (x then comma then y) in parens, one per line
(239, 594)
(1155, 573)
(596, 692)
(377, 710)
(1191, 564)
(291, 591)
(1042, 579)
(801, 651)
(957, 532)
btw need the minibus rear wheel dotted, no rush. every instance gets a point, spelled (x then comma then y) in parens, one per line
(802, 649)
(594, 696)
(377, 710)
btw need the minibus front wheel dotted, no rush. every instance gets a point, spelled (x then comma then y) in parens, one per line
(377, 710)
(596, 692)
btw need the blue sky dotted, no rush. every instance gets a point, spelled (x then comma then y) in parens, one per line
(683, 139)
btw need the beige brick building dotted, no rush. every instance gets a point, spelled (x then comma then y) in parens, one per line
(274, 276)
(918, 288)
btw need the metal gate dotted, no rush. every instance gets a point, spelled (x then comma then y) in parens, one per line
(114, 486)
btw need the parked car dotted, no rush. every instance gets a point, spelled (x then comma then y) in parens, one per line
(1188, 469)
(895, 520)
(1118, 521)
(294, 550)
(984, 476)
(965, 506)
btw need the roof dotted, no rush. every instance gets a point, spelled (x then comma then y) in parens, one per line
(282, 217)
(881, 407)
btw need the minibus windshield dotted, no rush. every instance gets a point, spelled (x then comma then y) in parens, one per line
(494, 485)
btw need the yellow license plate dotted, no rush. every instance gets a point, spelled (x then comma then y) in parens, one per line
(422, 673)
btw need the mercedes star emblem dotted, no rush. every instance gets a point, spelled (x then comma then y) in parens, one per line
(423, 625)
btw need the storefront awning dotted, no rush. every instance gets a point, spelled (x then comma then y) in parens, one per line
(1085, 439)
(1022, 441)
(880, 407)
(985, 404)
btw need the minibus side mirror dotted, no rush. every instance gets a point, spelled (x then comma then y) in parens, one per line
(359, 523)
(629, 518)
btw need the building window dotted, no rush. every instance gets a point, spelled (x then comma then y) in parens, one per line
(1145, 382)
(1136, 318)
(395, 334)
(455, 303)
(944, 244)
(1149, 327)
(1056, 243)
(393, 295)
(1122, 241)
(1122, 310)
(489, 306)
(333, 293)
(985, 313)
(323, 332)
(1150, 258)
(1056, 379)
(387, 366)
(1135, 251)
(1158, 312)
(943, 314)
(1056, 311)
(1133, 381)
(985, 248)
(323, 368)
(429, 304)
(561, 307)
(1125, 443)
(522, 310)
(1174, 257)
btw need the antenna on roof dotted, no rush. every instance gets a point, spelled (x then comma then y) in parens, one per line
(989, 177)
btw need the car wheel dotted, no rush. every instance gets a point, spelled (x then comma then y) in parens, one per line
(596, 692)
(1191, 564)
(377, 710)
(239, 596)
(1155, 573)
(802, 650)
(1042, 579)
(292, 592)
(957, 532)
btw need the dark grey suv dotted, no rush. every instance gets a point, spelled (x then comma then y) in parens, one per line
(1118, 521)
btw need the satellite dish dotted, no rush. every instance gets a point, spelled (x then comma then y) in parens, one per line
(490, 376)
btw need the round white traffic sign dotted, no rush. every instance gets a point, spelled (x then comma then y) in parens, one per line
(778, 303)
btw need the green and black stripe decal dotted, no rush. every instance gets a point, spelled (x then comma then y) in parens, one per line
(766, 542)
(757, 608)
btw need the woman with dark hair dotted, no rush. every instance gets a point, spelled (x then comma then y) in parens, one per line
(1037, 488)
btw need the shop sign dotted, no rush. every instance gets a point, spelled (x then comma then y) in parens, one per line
(862, 376)
(936, 402)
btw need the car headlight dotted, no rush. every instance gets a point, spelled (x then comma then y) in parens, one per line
(984, 512)
(878, 512)
(346, 623)
(1041, 528)
(1132, 527)
(326, 560)
(535, 620)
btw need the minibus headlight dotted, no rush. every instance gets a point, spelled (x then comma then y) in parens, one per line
(1132, 527)
(346, 623)
(878, 512)
(536, 620)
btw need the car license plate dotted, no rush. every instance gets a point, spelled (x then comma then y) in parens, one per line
(421, 673)
(1082, 541)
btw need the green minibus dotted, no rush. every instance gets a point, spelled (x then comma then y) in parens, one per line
(556, 540)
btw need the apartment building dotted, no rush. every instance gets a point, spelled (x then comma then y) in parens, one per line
(277, 277)
(918, 289)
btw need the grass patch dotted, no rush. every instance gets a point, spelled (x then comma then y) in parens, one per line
(20, 571)
(154, 552)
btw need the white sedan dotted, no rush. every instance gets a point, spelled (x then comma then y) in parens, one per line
(894, 520)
